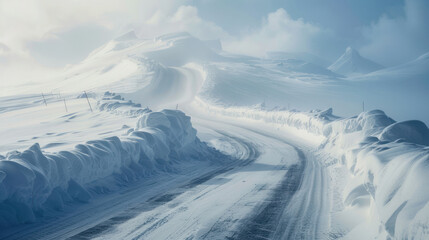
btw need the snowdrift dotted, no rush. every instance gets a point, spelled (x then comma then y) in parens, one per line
(33, 182)
(312, 122)
(116, 104)
(389, 162)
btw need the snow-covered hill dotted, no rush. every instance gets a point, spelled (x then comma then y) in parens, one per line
(351, 62)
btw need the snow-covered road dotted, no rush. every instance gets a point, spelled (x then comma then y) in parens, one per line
(274, 190)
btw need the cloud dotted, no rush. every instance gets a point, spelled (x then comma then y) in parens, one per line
(279, 32)
(35, 20)
(24, 22)
(392, 41)
(184, 19)
(31, 26)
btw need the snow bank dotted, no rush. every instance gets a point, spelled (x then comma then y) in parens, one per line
(410, 131)
(33, 182)
(388, 161)
(312, 122)
(116, 104)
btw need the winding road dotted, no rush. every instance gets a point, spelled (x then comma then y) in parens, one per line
(272, 188)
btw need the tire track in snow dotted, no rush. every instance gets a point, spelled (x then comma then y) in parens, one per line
(265, 222)
(299, 215)
(251, 154)
(304, 216)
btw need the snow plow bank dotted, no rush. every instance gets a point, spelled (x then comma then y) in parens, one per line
(387, 163)
(33, 182)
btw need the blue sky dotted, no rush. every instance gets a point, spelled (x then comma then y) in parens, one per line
(343, 16)
(53, 34)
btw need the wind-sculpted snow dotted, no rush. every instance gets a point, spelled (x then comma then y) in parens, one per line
(367, 122)
(33, 181)
(410, 131)
(388, 161)
(312, 122)
(117, 105)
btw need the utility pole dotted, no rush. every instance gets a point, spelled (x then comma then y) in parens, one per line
(44, 100)
(86, 95)
(363, 106)
(177, 106)
(65, 105)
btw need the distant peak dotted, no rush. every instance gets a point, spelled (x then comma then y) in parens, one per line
(351, 51)
(351, 62)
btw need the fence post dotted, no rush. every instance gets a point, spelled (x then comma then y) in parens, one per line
(65, 105)
(44, 100)
(88, 100)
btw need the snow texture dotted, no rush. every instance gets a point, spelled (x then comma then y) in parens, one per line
(34, 181)
(388, 160)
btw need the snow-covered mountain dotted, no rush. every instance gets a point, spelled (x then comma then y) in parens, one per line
(351, 62)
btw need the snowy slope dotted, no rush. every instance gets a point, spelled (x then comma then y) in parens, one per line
(351, 62)
(414, 70)
(400, 90)
(303, 56)
(151, 71)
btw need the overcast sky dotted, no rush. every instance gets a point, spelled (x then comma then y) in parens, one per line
(41, 34)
